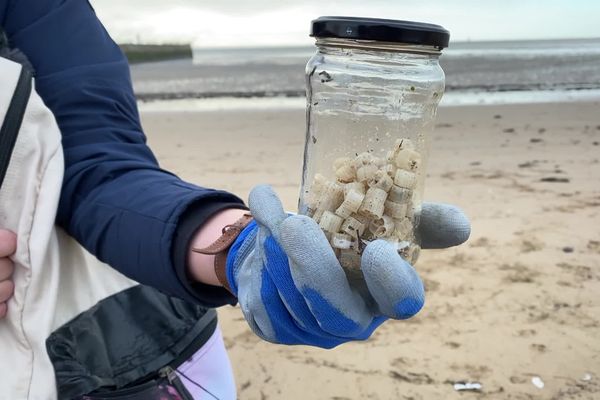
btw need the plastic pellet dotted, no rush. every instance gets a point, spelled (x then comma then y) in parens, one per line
(381, 180)
(410, 253)
(362, 160)
(366, 172)
(357, 186)
(317, 215)
(408, 160)
(374, 203)
(331, 197)
(351, 204)
(353, 227)
(345, 174)
(403, 229)
(395, 210)
(390, 169)
(399, 194)
(341, 241)
(382, 227)
(369, 198)
(410, 211)
(402, 144)
(340, 162)
(330, 222)
(405, 179)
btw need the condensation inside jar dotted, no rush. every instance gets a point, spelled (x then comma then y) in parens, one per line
(370, 110)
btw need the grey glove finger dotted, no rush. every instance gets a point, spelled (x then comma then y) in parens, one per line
(393, 283)
(266, 207)
(314, 269)
(442, 225)
(251, 304)
(318, 275)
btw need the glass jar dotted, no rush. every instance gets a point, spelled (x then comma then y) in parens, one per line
(373, 87)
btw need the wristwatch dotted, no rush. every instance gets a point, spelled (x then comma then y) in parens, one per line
(220, 247)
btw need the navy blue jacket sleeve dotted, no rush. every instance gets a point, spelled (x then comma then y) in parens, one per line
(115, 200)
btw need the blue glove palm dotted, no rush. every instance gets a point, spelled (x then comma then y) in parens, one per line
(292, 289)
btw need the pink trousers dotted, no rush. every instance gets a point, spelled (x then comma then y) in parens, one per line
(208, 373)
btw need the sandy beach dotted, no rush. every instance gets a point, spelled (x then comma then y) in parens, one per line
(520, 300)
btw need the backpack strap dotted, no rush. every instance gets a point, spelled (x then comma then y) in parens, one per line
(13, 119)
(13, 54)
(16, 109)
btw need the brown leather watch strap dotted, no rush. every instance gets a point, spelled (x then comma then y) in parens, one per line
(220, 247)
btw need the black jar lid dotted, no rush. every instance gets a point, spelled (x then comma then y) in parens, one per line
(385, 30)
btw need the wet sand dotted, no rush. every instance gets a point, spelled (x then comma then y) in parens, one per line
(468, 66)
(519, 300)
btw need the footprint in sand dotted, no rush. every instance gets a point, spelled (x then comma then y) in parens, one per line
(594, 246)
(481, 242)
(531, 244)
(518, 380)
(519, 273)
(452, 345)
(528, 164)
(526, 333)
(540, 348)
(430, 285)
(582, 272)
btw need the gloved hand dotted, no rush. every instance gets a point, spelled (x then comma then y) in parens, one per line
(292, 289)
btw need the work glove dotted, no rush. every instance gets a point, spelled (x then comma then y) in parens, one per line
(292, 289)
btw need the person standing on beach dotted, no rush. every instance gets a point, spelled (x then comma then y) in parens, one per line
(201, 245)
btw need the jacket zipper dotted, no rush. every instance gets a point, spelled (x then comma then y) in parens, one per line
(169, 374)
(13, 120)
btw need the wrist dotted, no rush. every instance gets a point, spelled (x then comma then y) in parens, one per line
(201, 266)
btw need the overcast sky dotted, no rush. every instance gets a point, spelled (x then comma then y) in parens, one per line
(224, 23)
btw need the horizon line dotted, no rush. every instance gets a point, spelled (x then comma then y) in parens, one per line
(462, 41)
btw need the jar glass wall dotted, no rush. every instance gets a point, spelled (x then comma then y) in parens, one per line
(371, 107)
